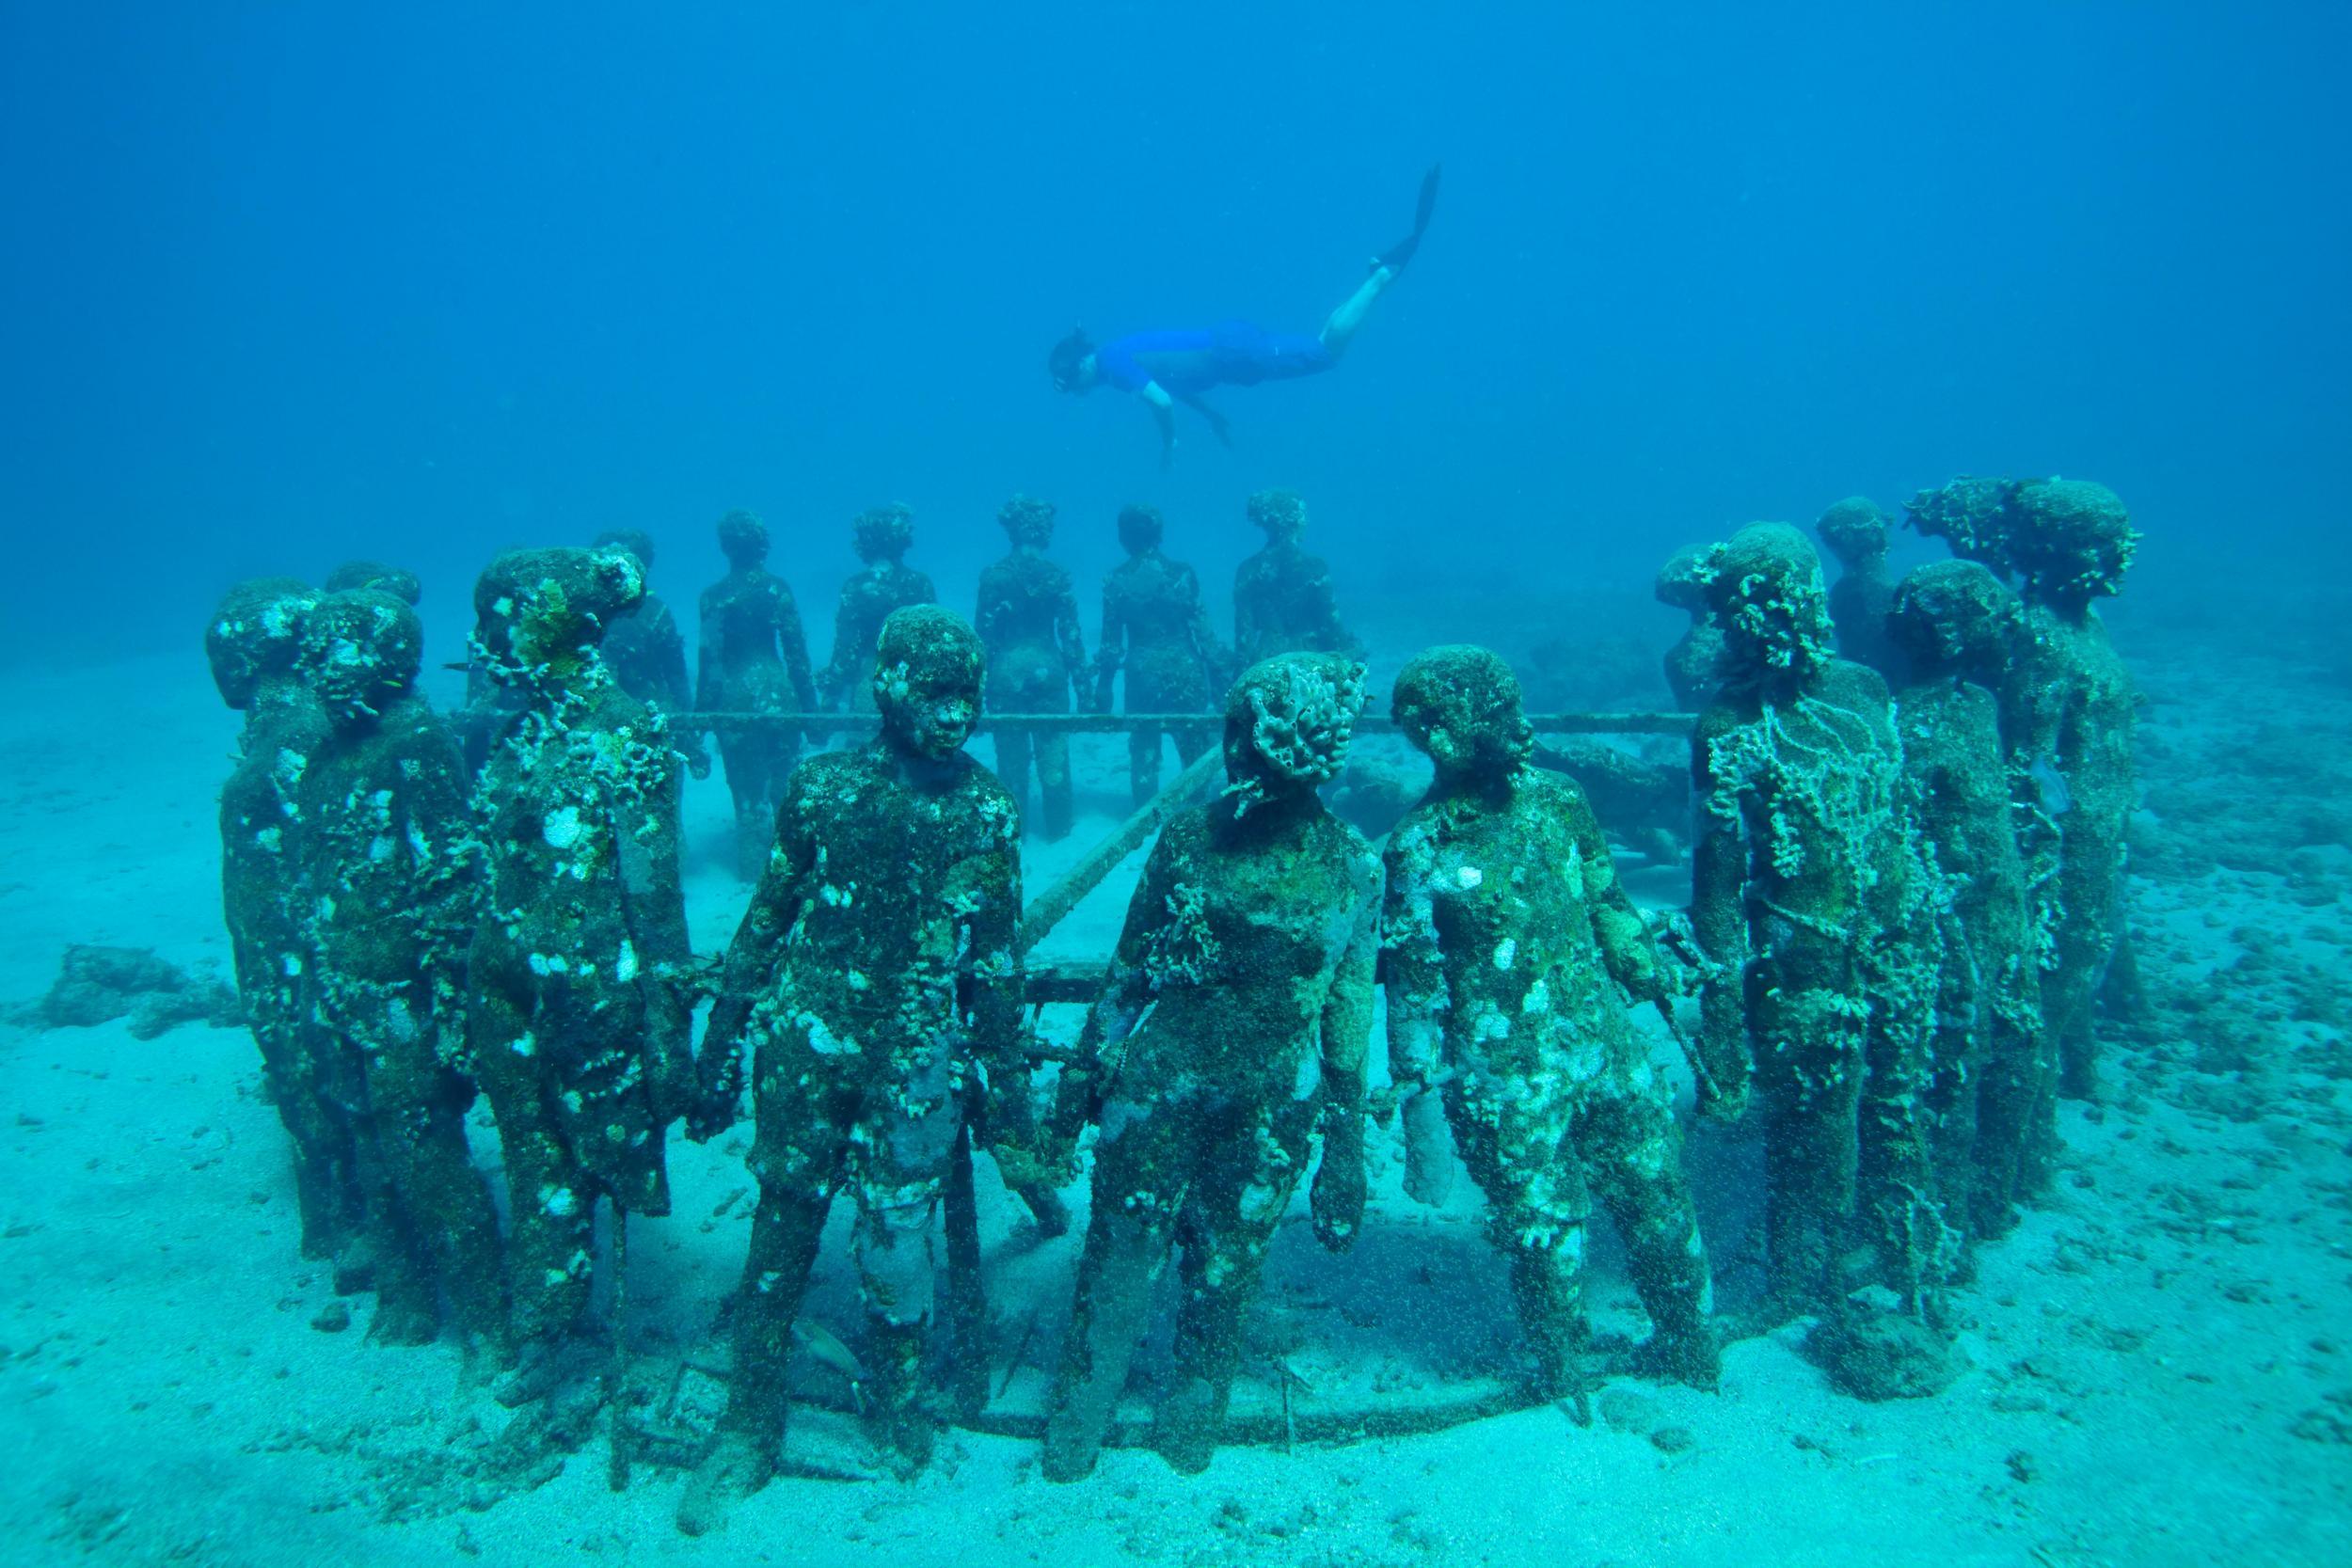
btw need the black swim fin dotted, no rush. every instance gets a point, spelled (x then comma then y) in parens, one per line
(1400, 253)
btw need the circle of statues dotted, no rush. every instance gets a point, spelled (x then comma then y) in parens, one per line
(1905, 824)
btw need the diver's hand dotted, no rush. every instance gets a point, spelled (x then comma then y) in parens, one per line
(1428, 1151)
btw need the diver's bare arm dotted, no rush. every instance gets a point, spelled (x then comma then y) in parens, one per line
(1163, 414)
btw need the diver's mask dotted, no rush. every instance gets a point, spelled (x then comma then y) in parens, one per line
(1067, 362)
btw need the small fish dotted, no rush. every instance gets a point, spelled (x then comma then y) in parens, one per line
(825, 1348)
(2056, 797)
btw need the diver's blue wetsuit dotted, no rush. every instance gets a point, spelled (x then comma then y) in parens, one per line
(1188, 362)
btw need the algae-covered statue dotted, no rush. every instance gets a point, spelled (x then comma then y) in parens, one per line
(647, 652)
(1808, 899)
(1283, 599)
(1028, 622)
(2071, 543)
(254, 645)
(2067, 715)
(1992, 1092)
(391, 865)
(1512, 952)
(876, 979)
(753, 657)
(1232, 1025)
(882, 536)
(1153, 621)
(579, 1028)
(1855, 530)
(1691, 663)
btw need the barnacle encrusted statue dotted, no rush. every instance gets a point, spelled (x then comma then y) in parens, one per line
(1691, 663)
(391, 868)
(753, 657)
(580, 1029)
(1811, 904)
(1512, 951)
(1155, 622)
(2067, 714)
(1283, 599)
(2071, 543)
(1028, 622)
(253, 643)
(1854, 532)
(882, 535)
(1232, 1024)
(1994, 1077)
(876, 980)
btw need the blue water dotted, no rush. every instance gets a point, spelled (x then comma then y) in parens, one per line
(287, 285)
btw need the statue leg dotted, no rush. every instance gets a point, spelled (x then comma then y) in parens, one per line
(1633, 1153)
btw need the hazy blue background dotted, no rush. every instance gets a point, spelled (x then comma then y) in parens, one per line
(290, 283)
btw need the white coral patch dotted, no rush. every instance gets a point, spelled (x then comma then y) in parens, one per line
(563, 827)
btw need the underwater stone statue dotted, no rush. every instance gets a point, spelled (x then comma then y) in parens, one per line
(2067, 715)
(1028, 622)
(1231, 1026)
(647, 652)
(1155, 622)
(882, 536)
(1808, 900)
(1512, 950)
(2071, 542)
(401, 584)
(580, 1029)
(1283, 599)
(1854, 532)
(1994, 1079)
(1692, 672)
(876, 979)
(753, 657)
(253, 643)
(391, 865)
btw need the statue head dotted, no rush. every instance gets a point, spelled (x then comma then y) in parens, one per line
(1027, 521)
(742, 538)
(1140, 528)
(1287, 722)
(361, 649)
(635, 541)
(1281, 513)
(400, 585)
(1682, 580)
(926, 681)
(1972, 516)
(1855, 530)
(882, 533)
(1954, 617)
(1461, 705)
(1766, 593)
(2071, 540)
(256, 634)
(540, 614)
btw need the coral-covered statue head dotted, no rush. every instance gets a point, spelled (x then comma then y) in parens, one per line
(926, 681)
(1461, 705)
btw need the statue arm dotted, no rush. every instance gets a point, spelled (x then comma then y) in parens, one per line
(1718, 922)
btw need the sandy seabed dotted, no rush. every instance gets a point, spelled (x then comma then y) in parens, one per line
(2161, 1358)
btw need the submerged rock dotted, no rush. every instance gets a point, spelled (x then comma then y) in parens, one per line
(1883, 1356)
(97, 984)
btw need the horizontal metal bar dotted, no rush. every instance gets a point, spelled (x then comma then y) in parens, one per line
(1630, 722)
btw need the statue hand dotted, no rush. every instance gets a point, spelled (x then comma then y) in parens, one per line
(1337, 1198)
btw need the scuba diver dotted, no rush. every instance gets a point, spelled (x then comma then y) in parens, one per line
(1177, 365)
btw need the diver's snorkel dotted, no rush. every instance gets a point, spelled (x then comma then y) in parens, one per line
(1066, 364)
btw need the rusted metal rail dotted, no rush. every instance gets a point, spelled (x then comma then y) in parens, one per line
(1629, 722)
